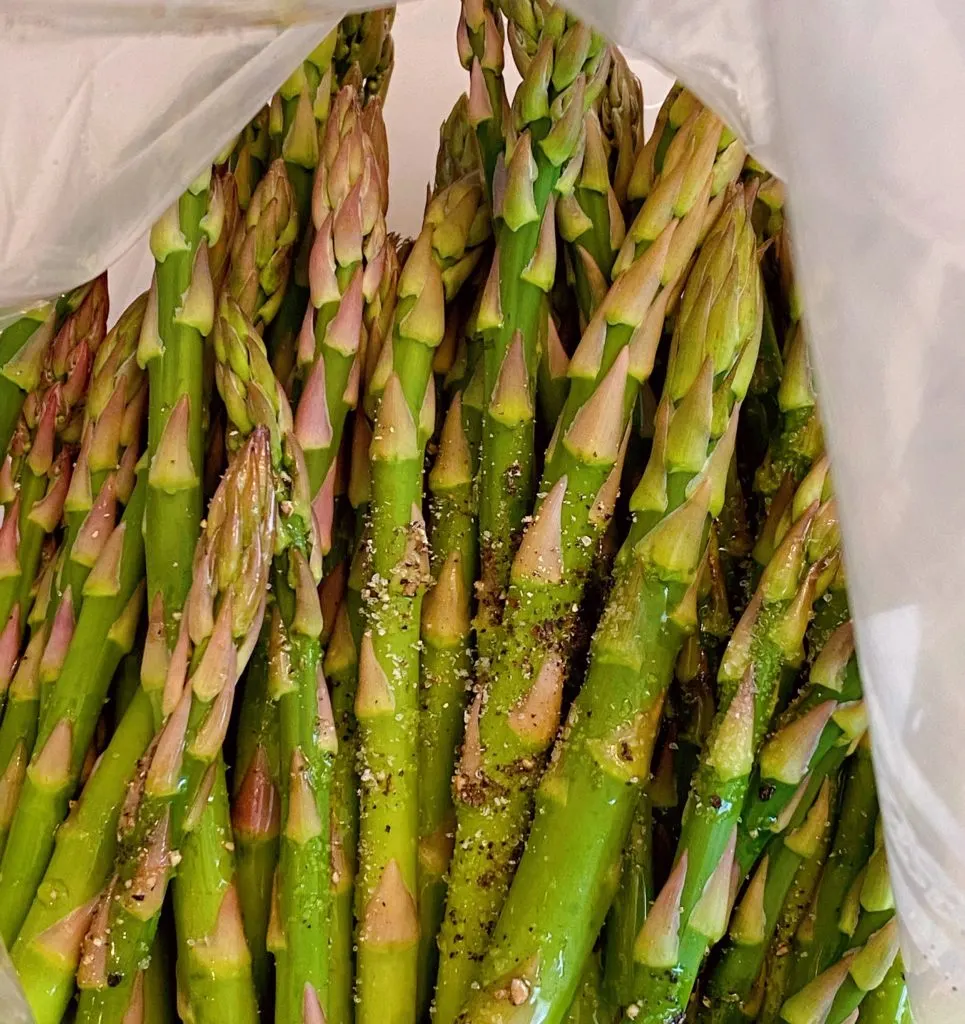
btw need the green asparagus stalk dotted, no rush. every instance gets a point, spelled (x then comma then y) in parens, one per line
(449, 246)
(365, 42)
(811, 740)
(519, 718)
(756, 917)
(586, 800)
(341, 667)
(689, 914)
(819, 940)
(564, 67)
(255, 819)
(298, 921)
(23, 346)
(590, 1006)
(179, 315)
(105, 631)
(458, 153)
(447, 662)
(218, 631)
(38, 474)
(350, 258)
(251, 156)
(835, 995)
(481, 44)
(299, 112)
(771, 985)
(621, 117)
(631, 906)
(115, 405)
(800, 439)
(48, 949)
(889, 1002)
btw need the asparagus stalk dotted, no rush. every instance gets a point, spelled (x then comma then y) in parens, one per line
(350, 259)
(818, 940)
(40, 462)
(564, 67)
(47, 952)
(458, 153)
(218, 631)
(771, 985)
(23, 346)
(300, 111)
(298, 922)
(690, 914)
(105, 631)
(590, 1006)
(630, 907)
(800, 439)
(365, 42)
(889, 1002)
(481, 44)
(811, 740)
(115, 406)
(449, 246)
(341, 667)
(586, 800)
(255, 818)
(519, 718)
(447, 661)
(179, 315)
(756, 918)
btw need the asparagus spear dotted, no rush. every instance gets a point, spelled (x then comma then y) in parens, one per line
(447, 661)
(756, 918)
(818, 940)
(255, 818)
(40, 461)
(48, 949)
(519, 716)
(23, 346)
(115, 406)
(586, 800)
(564, 67)
(811, 740)
(365, 42)
(630, 907)
(341, 667)
(766, 646)
(458, 153)
(449, 246)
(350, 259)
(771, 985)
(481, 44)
(218, 631)
(179, 315)
(300, 111)
(889, 1002)
(113, 600)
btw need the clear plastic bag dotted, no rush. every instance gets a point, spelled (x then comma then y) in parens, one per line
(850, 102)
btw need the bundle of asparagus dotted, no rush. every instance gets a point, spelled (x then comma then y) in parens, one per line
(460, 625)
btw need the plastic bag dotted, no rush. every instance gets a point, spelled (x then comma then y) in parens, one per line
(849, 102)
(110, 106)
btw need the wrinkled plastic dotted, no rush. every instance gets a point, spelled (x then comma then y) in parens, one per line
(853, 103)
(110, 106)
